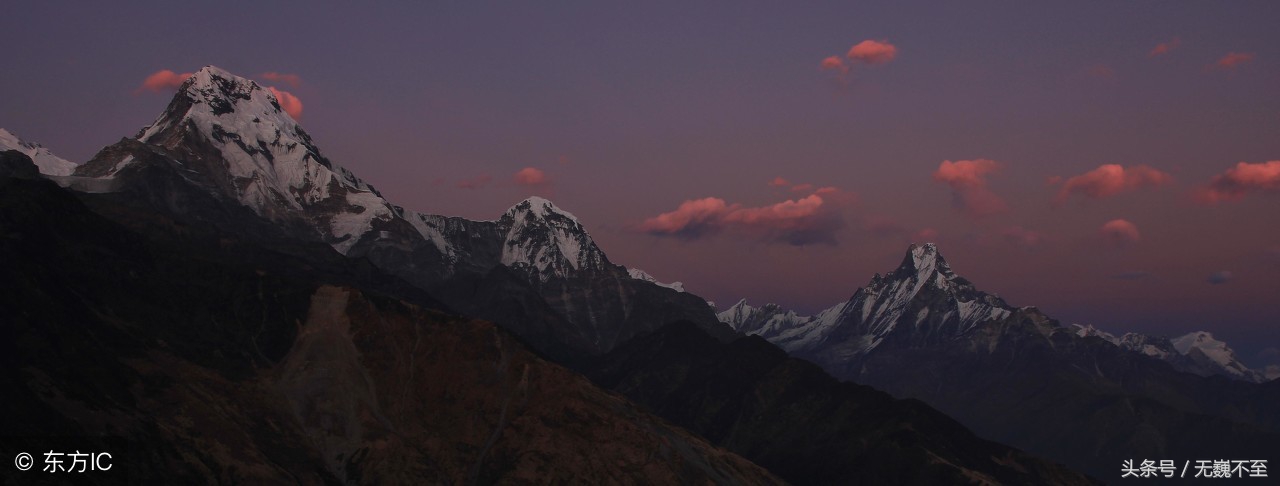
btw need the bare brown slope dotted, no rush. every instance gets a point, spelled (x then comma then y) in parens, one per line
(194, 366)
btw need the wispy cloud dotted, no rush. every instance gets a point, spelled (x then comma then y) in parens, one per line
(1164, 47)
(1240, 180)
(531, 176)
(288, 102)
(1233, 60)
(1120, 232)
(162, 81)
(967, 179)
(1109, 180)
(293, 80)
(873, 52)
(808, 220)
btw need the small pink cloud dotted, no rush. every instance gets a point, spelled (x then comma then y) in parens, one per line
(1240, 180)
(834, 63)
(163, 80)
(778, 182)
(1101, 71)
(1233, 59)
(1164, 48)
(288, 102)
(1023, 237)
(1120, 232)
(530, 176)
(474, 182)
(967, 179)
(872, 52)
(692, 219)
(1110, 179)
(808, 220)
(293, 80)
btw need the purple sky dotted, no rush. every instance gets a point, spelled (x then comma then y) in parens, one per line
(629, 111)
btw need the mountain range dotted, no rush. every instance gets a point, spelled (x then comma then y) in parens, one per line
(233, 289)
(1015, 375)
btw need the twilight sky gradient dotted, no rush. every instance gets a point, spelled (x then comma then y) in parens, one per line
(1107, 163)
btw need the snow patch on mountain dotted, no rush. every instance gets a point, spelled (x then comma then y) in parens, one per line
(1197, 352)
(639, 274)
(44, 159)
(1201, 346)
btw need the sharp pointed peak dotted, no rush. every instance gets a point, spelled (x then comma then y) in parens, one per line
(540, 207)
(922, 259)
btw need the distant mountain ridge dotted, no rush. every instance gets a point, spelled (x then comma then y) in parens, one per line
(1195, 352)
(1018, 376)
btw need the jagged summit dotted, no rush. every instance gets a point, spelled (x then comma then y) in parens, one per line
(920, 300)
(540, 207)
(548, 239)
(923, 260)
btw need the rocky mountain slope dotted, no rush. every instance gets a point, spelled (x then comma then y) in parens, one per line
(1017, 376)
(225, 140)
(202, 357)
(791, 417)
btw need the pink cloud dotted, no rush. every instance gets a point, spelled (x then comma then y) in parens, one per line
(1023, 237)
(288, 102)
(1164, 47)
(1120, 232)
(778, 182)
(808, 220)
(692, 219)
(1242, 179)
(1233, 59)
(530, 176)
(802, 187)
(872, 52)
(1101, 71)
(293, 80)
(163, 80)
(474, 182)
(834, 63)
(967, 179)
(1110, 179)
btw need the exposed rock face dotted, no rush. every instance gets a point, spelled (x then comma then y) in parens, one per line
(791, 417)
(217, 360)
(17, 164)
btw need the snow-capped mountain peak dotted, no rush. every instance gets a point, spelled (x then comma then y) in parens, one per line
(924, 260)
(1201, 346)
(639, 274)
(547, 239)
(921, 299)
(233, 133)
(48, 163)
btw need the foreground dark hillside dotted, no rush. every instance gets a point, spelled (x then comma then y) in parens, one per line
(216, 361)
(791, 417)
